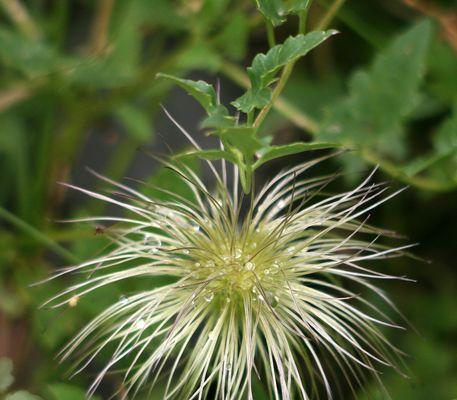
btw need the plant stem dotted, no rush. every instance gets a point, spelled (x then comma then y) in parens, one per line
(270, 34)
(329, 15)
(20, 16)
(288, 110)
(99, 36)
(37, 235)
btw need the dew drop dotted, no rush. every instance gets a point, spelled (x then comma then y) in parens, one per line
(140, 324)
(274, 269)
(73, 302)
(228, 299)
(209, 297)
(196, 228)
(250, 266)
(197, 264)
(185, 251)
(123, 300)
(228, 367)
(210, 264)
(238, 253)
(274, 301)
(211, 335)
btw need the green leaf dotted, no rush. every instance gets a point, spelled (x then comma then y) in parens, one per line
(205, 94)
(233, 39)
(23, 395)
(381, 98)
(201, 91)
(26, 56)
(273, 152)
(272, 10)
(276, 10)
(214, 154)
(295, 6)
(445, 140)
(62, 391)
(242, 138)
(167, 179)
(264, 68)
(6, 376)
(137, 124)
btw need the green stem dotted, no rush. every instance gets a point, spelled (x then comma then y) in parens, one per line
(270, 34)
(287, 109)
(330, 14)
(37, 235)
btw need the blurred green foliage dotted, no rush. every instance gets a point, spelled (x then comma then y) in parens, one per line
(79, 77)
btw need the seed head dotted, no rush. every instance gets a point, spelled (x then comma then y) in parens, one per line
(258, 289)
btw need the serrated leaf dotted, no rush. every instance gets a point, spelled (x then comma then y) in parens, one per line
(214, 154)
(137, 124)
(6, 374)
(205, 94)
(264, 68)
(273, 152)
(253, 99)
(272, 10)
(295, 6)
(381, 98)
(201, 91)
(276, 10)
(242, 138)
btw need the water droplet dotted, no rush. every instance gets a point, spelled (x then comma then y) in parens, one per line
(261, 298)
(228, 299)
(211, 335)
(140, 324)
(196, 228)
(154, 250)
(228, 366)
(209, 297)
(274, 268)
(281, 203)
(257, 230)
(185, 251)
(254, 245)
(238, 253)
(250, 266)
(291, 249)
(123, 300)
(73, 302)
(197, 264)
(254, 289)
(274, 302)
(266, 271)
(210, 264)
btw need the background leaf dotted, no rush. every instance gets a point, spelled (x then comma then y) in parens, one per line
(381, 97)
(6, 374)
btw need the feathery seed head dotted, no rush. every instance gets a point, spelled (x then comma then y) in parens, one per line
(258, 289)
